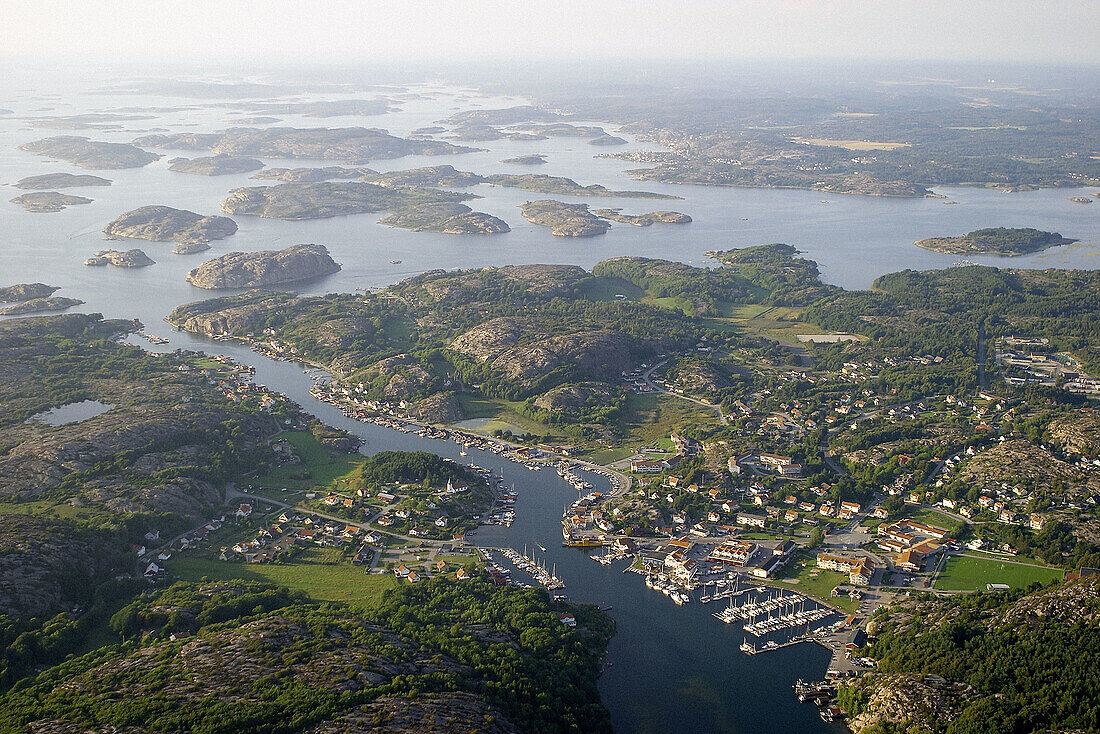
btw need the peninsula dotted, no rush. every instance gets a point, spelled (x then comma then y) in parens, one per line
(446, 218)
(996, 241)
(268, 267)
(26, 291)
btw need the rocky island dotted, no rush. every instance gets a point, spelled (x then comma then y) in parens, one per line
(527, 160)
(164, 224)
(607, 140)
(562, 186)
(312, 175)
(269, 267)
(642, 220)
(91, 154)
(128, 259)
(995, 241)
(38, 305)
(26, 291)
(48, 201)
(60, 181)
(565, 220)
(411, 207)
(215, 165)
(353, 144)
(446, 218)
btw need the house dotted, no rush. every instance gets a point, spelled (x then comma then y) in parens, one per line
(1036, 522)
(790, 516)
(767, 568)
(733, 466)
(243, 511)
(461, 574)
(567, 619)
(152, 570)
(384, 520)
(859, 570)
(881, 513)
(733, 552)
(401, 571)
(413, 577)
(387, 497)
(647, 467)
(850, 507)
(756, 521)
(775, 460)
(791, 470)
(441, 522)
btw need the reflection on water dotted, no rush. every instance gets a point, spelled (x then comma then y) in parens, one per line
(71, 413)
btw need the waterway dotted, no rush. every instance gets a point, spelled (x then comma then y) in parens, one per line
(672, 668)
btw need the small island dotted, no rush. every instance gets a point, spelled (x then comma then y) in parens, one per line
(1004, 241)
(215, 165)
(165, 224)
(48, 201)
(536, 159)
(60, 181)
(26, 291)
(446, 218)
(562, 186)
(296, 201)
(268, 267)
(607, 140)
(312, 175)
(643, 220)
(565, 220)
(39, 305)
(128, 259)
(91, 154)
(1080, 199)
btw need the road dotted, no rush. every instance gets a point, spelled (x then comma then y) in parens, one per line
(647, 375)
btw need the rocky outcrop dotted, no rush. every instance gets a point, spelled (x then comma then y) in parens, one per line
(590, 354)
(129, 259)
(215, 165)
(91, 153)
(903, 699)
(232, 315)
(26, 291)
(607, 140)
(48, 201)
(165, 224)
(60, 181)
(491, 339)
(439, 408)
(269, 267)
(527, 160)
(576, 398)
(38, 305)
(564, 220)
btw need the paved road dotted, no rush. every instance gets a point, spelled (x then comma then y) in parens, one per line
(658, 389)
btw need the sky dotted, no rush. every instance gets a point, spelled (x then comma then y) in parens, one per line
(36, 32)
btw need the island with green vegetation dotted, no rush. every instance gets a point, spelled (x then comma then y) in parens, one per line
(215, 165)
(351, 144)
(643, 220)
(446, 218)
(996, 241)
(60, 181)
(562, 186)
(564, 220)
(264, 268)
(48, 201)
(129, 259)
(536, 159)
(91, 154)
(191, 231)
(40, 305)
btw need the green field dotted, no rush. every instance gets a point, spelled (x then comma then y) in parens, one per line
(309, 572)
(970, 573)
(319, 468)
(811, 581)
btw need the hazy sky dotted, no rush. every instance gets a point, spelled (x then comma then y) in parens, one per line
(331, 31)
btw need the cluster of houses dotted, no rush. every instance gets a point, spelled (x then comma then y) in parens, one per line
(686, 560)
(422, 524)
(292, 528)
(910, 542)
(860, 569)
